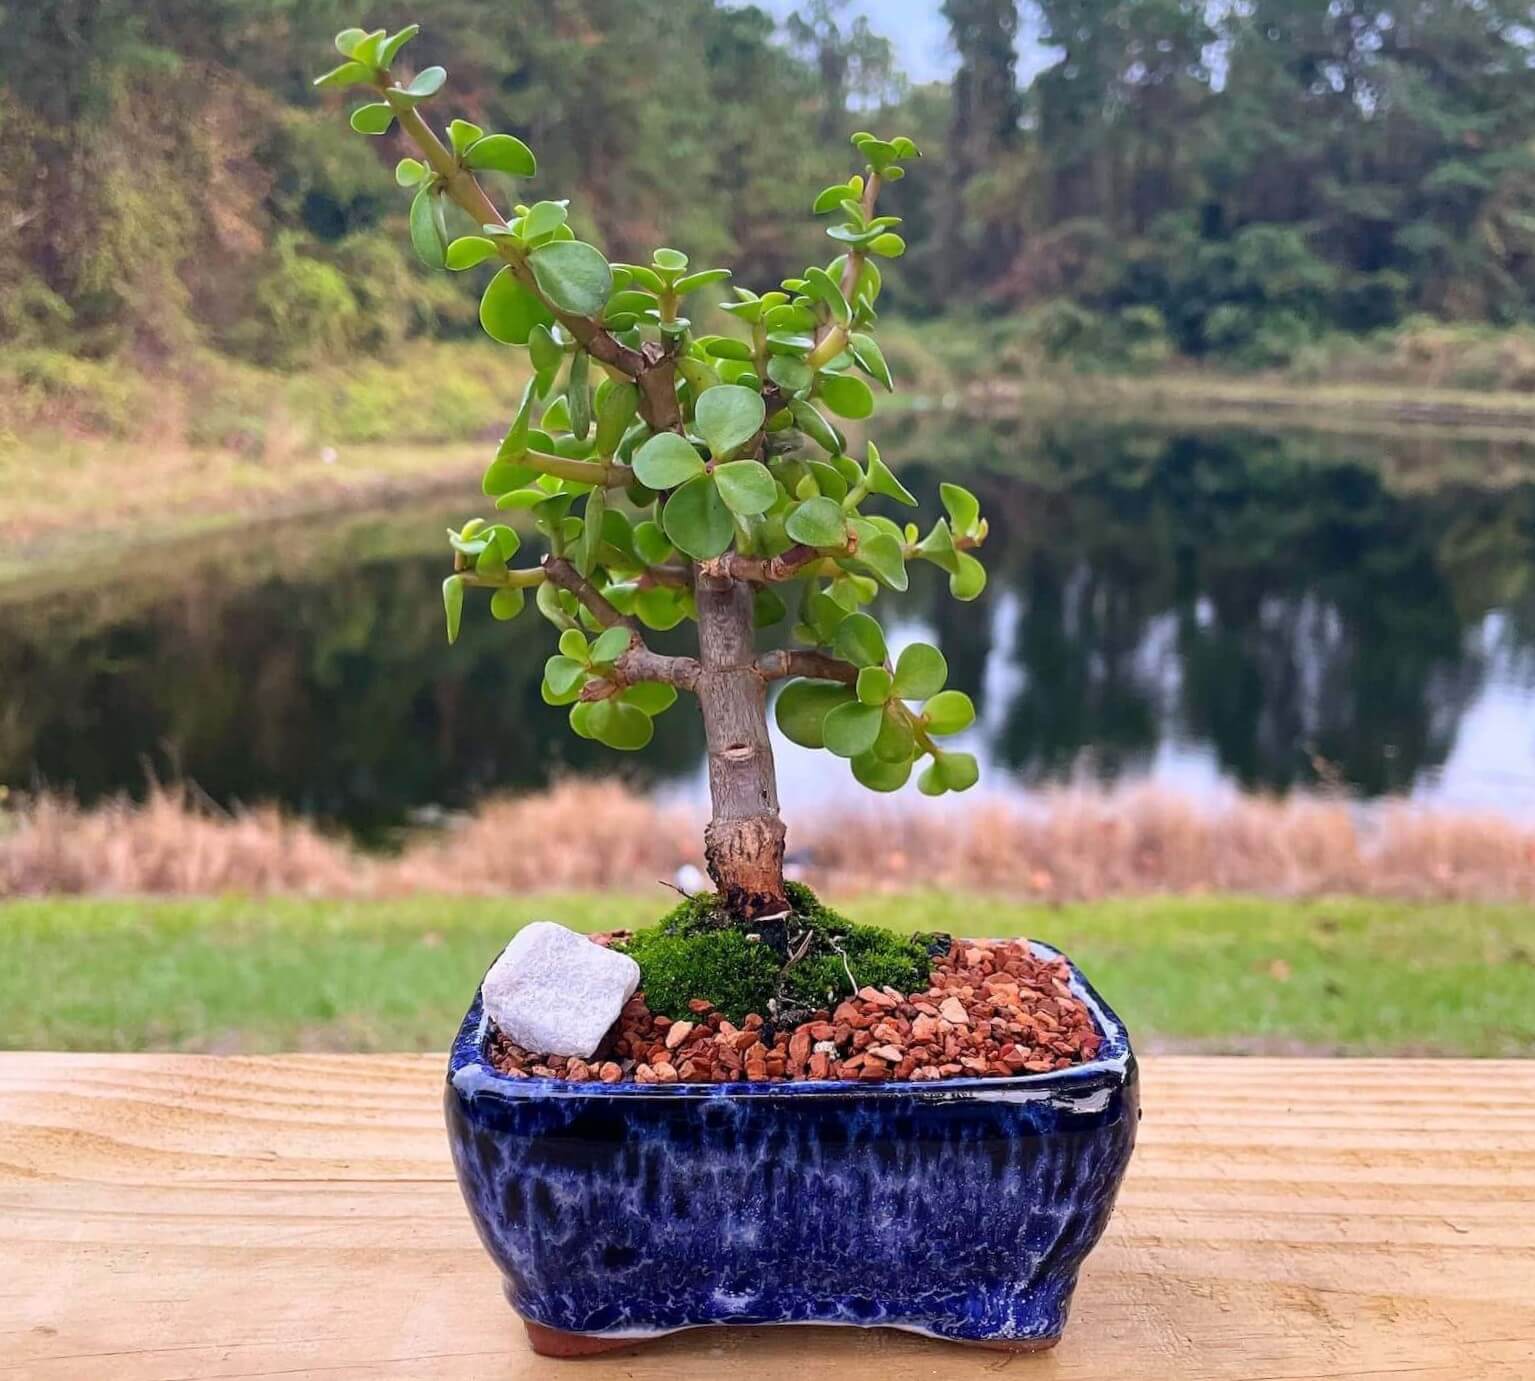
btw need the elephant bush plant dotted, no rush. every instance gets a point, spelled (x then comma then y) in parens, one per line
(675, 475)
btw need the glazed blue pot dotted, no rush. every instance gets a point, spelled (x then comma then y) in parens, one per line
(960, 1209)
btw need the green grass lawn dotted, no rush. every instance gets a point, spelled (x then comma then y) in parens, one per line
(1345, 975)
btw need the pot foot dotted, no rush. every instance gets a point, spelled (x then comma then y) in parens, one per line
(1009, 1344)
(555, 1342)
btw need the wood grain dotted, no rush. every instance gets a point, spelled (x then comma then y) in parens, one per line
(177, 1217)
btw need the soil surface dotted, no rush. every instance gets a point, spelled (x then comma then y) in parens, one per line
(992, 1009)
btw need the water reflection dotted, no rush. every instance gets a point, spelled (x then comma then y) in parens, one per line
(1251, 608)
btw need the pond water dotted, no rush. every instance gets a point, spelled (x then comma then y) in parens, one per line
(1210, 609)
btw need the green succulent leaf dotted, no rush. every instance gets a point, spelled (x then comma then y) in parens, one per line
(573, 275)
(897, 742)
(746, 486)
(728, 416)
(463, 133)
(968, 579)
(613, 722)
(409, 171)
(469, 250)
(543, 218)
(726, 348)
(427, 236)
(453, 605)
(874, 685)
(846, 395)
(963, 507)
(802, 708)
(506, 603)
(702, 279)
(697, 521)
(885, 557)
(920, 672)
(509, 312)
(374, 118)
(651, 544)
(816, 427)
(881, 481)
(667, 460)
(501, 153)
(427, 82)
(660, 608)
(818, 522)
(860, 640)
(874, 772)
(948, 712)
(578, 397)
(615, 412)
(871, 359)
(611, 644)
(850, 730)
(348, 74)
(651, 697)
(391, 49)
(789, 373)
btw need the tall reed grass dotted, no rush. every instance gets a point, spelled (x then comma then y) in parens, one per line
(1068, 846)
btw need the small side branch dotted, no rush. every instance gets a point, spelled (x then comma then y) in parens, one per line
(766, 570)
(560, 572)
(816, 666)
(639, 664)
(610, 474)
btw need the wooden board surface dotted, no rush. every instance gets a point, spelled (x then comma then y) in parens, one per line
(179, 1216)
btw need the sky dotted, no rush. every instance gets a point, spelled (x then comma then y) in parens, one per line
(920, 35)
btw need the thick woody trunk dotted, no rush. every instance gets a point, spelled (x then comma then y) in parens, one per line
(744, 842)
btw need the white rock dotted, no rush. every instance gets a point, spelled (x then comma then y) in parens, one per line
(554, 992)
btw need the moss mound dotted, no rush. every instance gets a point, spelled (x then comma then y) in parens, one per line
(736, 974)
(696, 952)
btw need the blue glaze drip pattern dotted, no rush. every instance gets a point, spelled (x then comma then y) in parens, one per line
(960, 1209)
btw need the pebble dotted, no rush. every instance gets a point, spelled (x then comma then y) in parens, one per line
(952, 1009)
(554, 991)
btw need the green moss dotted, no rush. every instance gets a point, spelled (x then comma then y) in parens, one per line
(736, 974)
(876, 957)
(696, 952)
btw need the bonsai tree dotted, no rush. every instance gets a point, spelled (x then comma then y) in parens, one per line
(679, 475)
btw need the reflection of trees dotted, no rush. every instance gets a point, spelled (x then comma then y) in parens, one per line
(1316, 616)
(1078, 636)
(1269, 597)
(339, 698)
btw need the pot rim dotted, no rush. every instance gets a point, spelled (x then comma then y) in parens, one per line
(470, 1074)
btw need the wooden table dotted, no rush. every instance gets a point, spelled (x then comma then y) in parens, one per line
(181, 1216)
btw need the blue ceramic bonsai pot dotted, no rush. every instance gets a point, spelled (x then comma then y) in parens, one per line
(961, 1209)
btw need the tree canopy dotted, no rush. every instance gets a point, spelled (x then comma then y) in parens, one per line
(1232, 179)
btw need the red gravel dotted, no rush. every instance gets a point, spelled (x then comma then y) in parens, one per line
(991, 1009)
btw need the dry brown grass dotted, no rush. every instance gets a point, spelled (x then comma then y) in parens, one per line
(169, 844)
(599, 835)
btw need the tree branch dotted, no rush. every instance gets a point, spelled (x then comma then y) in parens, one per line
(560, 572)
(764, 570)
(650, 367)
(834, 339)
(610, 474)
(639, 664)
(817, 666)
(514, 580)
